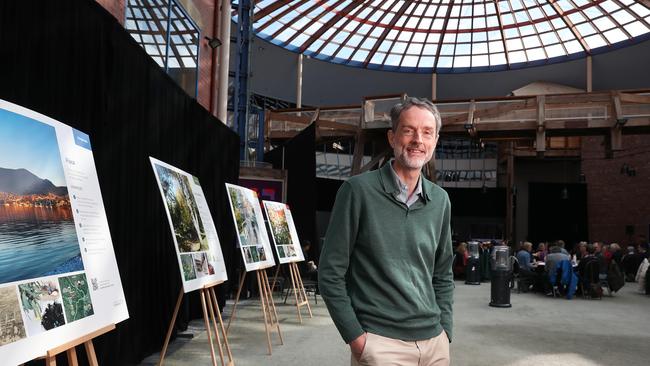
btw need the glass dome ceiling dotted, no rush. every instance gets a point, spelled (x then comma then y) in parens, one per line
(451, 35)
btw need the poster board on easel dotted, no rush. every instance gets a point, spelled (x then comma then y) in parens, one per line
(59, 278)
(283, 232)
(252, 237)
(256, 252)
(288, 249)
(196, 242)
(198, 250)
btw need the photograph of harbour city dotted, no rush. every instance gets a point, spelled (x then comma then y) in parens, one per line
(37, 229)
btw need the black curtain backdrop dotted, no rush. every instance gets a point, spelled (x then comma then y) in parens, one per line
(300, 162)
(554, 216)
(72, 61)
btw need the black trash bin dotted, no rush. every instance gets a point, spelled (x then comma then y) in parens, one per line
(501, 272)
(473, 269)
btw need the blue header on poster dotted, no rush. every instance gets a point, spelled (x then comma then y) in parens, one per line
(81, 139)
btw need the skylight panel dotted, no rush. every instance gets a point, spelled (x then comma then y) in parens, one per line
(531, 41)
(480, 60)
(604, 24)
(640, 10)
(496, 46)
(498, 59)
(609, 6)
(517, 57)
(410, 61)
(622, 17)
(462, 61)
(615, 35)
(480, 48)
(636, 28)
(535, 54)
(554, 51)
(595, 41)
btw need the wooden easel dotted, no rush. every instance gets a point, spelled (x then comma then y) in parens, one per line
(268, 306)
(69, 348)
(210, 306)
(298, 288)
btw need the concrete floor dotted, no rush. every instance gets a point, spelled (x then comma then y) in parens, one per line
(536, 331)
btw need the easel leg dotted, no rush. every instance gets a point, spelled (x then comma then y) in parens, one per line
(301, 286)
(264, 299)
(207, 327)
(275, 314)
(212, 305)
(234, 307)
(90, 352)
(275, 278)
(294, 284)
(171, 328)
(223, 330)
(72, 357)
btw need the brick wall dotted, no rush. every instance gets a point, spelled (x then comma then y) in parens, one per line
(617, 200)
(206, 8)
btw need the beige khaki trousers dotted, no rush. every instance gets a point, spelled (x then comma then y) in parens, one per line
(382, 351)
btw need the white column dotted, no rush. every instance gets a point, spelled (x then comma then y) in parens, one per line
(224, 62)
(589, 75)
(299, 82)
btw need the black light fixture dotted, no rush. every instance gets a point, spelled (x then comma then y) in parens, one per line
(213, 42)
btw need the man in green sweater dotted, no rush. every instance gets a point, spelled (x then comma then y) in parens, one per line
(385, 269)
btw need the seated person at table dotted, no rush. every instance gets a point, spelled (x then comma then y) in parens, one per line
(630, 263)
(541, 252)
(616, 256)
(554, 257)
(560, 244)
(581, 251)
(526, 266)
(589, 257)
(588, 272)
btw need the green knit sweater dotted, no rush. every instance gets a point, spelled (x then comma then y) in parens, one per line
(385, 268)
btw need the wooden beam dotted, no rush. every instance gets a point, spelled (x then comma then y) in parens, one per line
(570, 25)
(375, 160)
(634, 98)
(616, 136)
(618, 110)
(317, 4)
(387, 29)
(469, 124)
(492, 112)
(442, 34)
(330, 23)
(357, 155)
(279, 16)
(324, 123)
(503, 37)
(269, 9)
(281, 117)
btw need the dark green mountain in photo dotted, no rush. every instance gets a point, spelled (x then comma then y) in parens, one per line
(23, 182)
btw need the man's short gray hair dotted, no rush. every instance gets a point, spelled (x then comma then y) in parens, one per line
(396, 111)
